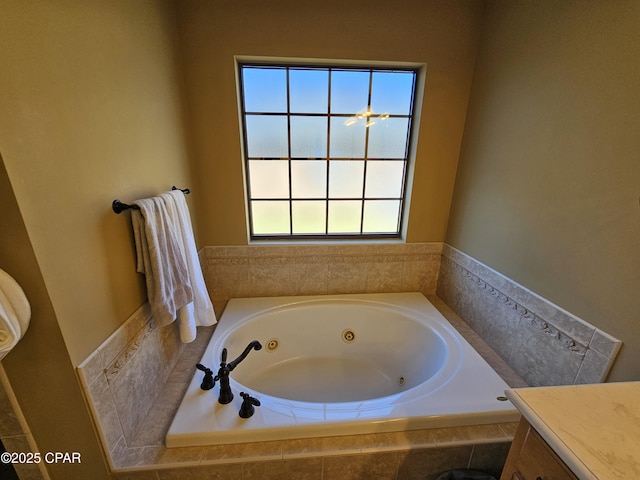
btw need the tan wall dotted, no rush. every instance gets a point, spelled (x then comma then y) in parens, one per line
(39, 369)
(90, 111)
(441, 34)
(547, 187)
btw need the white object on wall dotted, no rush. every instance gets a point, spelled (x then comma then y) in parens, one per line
(15, 313)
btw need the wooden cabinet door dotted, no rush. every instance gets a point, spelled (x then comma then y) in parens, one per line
(530, 458)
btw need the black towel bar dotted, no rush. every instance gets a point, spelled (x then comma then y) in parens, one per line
(120, 207)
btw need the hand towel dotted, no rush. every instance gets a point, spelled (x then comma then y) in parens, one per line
(201, 313)
(160, 259)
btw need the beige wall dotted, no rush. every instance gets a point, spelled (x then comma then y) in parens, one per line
(548, 183)
(39, 367)
(441, 34)
(90, 111)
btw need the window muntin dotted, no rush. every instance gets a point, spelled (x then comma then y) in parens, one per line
(326, 149)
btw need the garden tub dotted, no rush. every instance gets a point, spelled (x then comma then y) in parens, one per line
(339, 365)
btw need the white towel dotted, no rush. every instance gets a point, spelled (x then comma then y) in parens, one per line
(160, 259)
(201, 312)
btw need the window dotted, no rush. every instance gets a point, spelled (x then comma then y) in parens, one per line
(325, 149)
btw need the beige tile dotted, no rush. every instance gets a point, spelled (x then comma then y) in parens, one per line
(114, 345)
(490, 458)
(135, 457)
(374, 466)
(117, 456)
(127, 353)
(242, 452)
(322, 446)
(604, 343)
(124, 457)
(347, 277)
(429, 463)
(308, 278)
(269, 277)
(420, 273)
(208, 472)
(140, 381)
(159, 455)
(191, 354)
(473, 434)
(528, 331)
(382, 442)
(104, 407)
(297, 469)
(227, 280)
(10, 425)
(143, 475)
(509, 429)
(490, 356)
(420, 438)
(91, 367)
(426, 248)
(385, 275)
(154, 427)
(223, 251)
(592, 369)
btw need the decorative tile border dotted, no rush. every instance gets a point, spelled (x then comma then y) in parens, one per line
(526, 315)
(543, 343)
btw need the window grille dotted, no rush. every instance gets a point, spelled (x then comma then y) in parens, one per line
(326, 149)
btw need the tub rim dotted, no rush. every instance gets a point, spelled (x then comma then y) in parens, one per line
(444, 332)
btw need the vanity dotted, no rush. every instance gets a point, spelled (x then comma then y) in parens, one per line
(576, 432)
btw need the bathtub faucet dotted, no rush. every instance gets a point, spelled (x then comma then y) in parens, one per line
(226, 395)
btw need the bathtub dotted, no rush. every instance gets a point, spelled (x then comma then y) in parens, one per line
(339, 365)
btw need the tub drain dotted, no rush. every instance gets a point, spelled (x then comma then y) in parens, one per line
(348, 335)
(272, 345)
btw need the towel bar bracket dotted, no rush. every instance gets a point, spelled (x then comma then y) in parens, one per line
(120, 207)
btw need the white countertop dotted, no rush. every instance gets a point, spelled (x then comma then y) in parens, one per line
(594, 429)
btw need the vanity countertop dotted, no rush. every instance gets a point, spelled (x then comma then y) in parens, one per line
(594, 429)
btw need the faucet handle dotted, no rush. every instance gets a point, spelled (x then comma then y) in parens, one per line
(248, 402)
(223, 357)
(208, 381)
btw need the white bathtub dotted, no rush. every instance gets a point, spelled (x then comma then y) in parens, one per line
(339, 365)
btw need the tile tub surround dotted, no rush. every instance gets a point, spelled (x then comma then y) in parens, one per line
(280, 270)
(139, 452)
(543, 343)
(127, 376)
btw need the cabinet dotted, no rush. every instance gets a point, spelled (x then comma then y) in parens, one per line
(530, 458)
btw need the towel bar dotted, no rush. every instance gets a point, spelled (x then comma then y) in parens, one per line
(120, 207)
